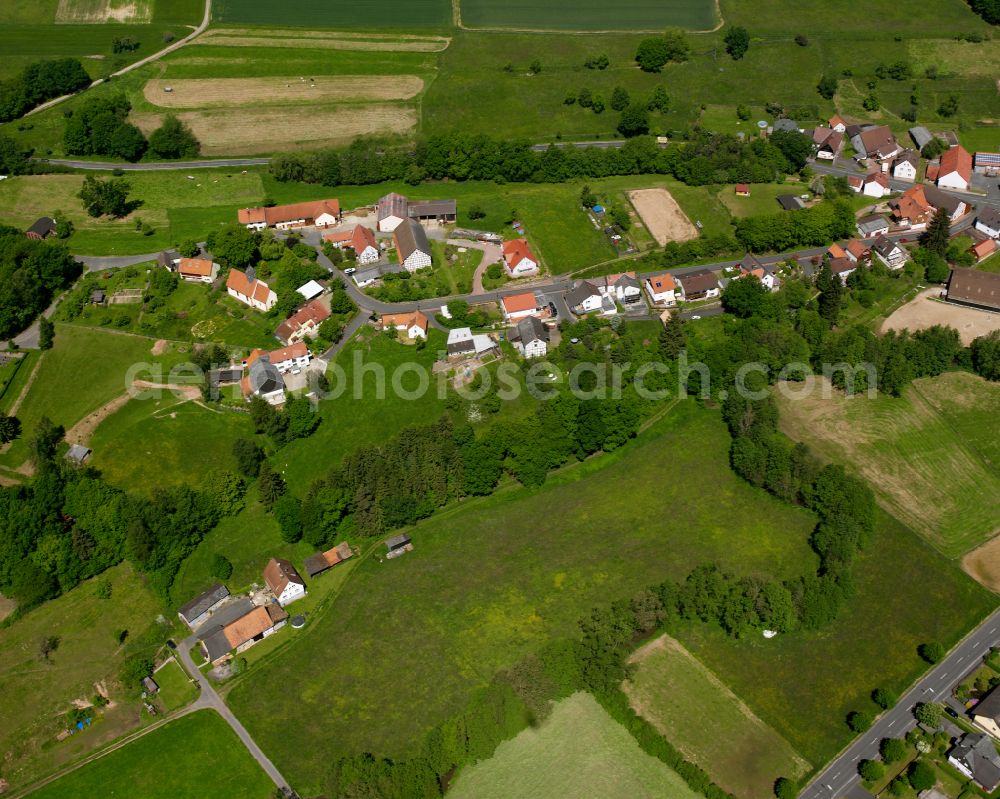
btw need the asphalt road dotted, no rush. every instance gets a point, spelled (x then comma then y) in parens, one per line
(841, 775)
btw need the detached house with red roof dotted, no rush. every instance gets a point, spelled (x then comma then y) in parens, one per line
(302, 324)
(518, 258)
(837, 123)
(197, 270)
(245, 287)
(360, 239)
(414, 325)
(284, 581)
(750, 265)
(955, 169)
(321, 213)
(518, 306)
(662, 289)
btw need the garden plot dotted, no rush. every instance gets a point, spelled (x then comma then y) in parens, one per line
(662, 216)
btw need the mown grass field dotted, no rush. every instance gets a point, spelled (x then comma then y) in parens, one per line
(932, 456)
(492, 579)
(320, 14)
(637, 15)
(35, 695)
(804, 684)
(85, 369)
(176, 689)
(177, 761)
(700, 716)
(156, 443)
(577, 751)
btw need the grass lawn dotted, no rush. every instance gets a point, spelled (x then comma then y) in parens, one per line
(700, 716)
(577, 751)
(154, 443)
(804, 684)
(35, 695)
(649, 15)
(762, 199)
(319, 13)
(176, 689)
(176, 761)
(85, 369)
(492, 579)
(932, 456)
(13, 376)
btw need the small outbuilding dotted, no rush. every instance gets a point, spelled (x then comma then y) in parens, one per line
(398, 545)
(742, 189)
(149, 685)
(42, 228)
(321, 561)
(78, 454)
(198, 609)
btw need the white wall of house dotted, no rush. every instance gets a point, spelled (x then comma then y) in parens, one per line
(875, 189)
(417, 260)
(592, 303)
(292, 592)
(368, 255)
(895, 259)
(534, 349)
(953, 180)
(984, 228)
(325, 219)
(668, 297)
(390, 223)
(416, 331)
(904, 170)
(293, 363)
(825, 154)
(274, 397)
(524, 267)
(256, 225)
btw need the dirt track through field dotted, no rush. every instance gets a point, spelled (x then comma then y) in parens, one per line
(662, 215)
(81, 432)
(218, 92)
(983, 564)
(923, 312)
(251, 131)
(318, 40)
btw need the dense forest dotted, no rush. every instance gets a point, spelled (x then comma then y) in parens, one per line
(32, 272)
(38, 83)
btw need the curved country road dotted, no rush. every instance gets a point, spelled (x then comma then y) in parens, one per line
(141, 62)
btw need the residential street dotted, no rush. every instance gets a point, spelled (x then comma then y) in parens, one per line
(842, 774)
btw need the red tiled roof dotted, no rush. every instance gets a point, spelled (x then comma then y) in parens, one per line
(520, 302)
(984, 248)
(516, 251)
(839, 265)
(406, 320)
(288, 213)
(857, 249)
(296, 350)
(742, 188)
(661, 283)
(836, 251)
(201, 267)
(314, 312)
(956, 159)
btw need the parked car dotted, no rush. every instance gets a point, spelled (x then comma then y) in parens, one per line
(951, 712)
(350, 270)
(552, 309)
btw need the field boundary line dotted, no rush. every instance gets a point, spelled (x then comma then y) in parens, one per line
(16, 405)
(456, 16)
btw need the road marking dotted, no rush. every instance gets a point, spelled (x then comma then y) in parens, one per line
(892, 722)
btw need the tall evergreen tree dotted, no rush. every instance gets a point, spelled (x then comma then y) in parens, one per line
(935, 238)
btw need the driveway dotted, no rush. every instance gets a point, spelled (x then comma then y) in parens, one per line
(492, 253)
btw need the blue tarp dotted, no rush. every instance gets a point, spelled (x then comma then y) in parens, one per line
(598, 209)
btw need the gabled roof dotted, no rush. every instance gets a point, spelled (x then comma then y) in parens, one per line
(322, 561)
(940, 199)
(256, 289)
(921, 136)
(397, 541)
(202, 602)
(262, 377)
(742, 188)
(410, 238)
(43, 226)
(869, 224)
(978, 288)
(857, 248)
(979, 754)
(790, 202)
(957, 160)
(296, 350)
(279, 214)
(516, 251)
(581, 292)
(989, 216)
(911, 157)
(662, 283)
(392, 204)
(911, 204)
(257, 621)
(699, 282)
(528, 330)
(836, 251)
(518, 303)
(406, 320)
(883, 245)
(202, 267)
(835, 120)
(878, 142)
(312, 312)
(840, 265)
(984, 248)
(279, 573)
(425, 208)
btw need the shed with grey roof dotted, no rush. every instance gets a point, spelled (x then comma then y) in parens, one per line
(440, 210)
(196, 611)
(78, 454)
(921, 136)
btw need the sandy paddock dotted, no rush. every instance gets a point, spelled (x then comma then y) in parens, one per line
(983, 564)
(99, 11)
(923, 312)
(662, 215)
(247, 131)
(219, 92)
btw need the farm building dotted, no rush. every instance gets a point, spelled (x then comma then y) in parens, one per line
(243, 626)
(789, 202)
(987, 164)
(321, 213)
(78, 454)
(197, 270)
(982, 250)
(921, 136)
(244, 287)
(321, 561)
(988, 222)
(392, 212)
(149, 685)
(359, 239)
(978, 290)
(440, 211)
(954, 171)
(198, 609)
(412, 247)
(284, 581)
(518, 258)
(398, 545)
(530, 338)
(98, 297)
(304, 323)
(41, 228)
(414, 325)
(310, 290)
(876, 143)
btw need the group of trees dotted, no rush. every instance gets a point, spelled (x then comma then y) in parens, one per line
(106, 196)
(100, 126)
(706, 158)
(656, 52)
(989, 10)
(32, 272)
(786, 230)
(39, 82)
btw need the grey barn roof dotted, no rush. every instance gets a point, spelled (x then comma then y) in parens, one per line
(427, 208)
(392, 205)
(921, 136)
(990, 217)
(397, 541)
(216, 644)
(203, 602)
(236, 609)
(411, 237)
(974, 287)
(528, 330)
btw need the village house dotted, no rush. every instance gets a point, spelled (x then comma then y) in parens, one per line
(874, 184)
(827, 141)
(889, 252)
(359, 239)
(321, 561)
(953, 171)
(905, 166)
(858, 252)
(624, 287)
(197, 270)
(302, 324)
(284, 581)
(518, 258)
(987, 164)
(257, 625)
(41, 228)
(288, 359)
(699, 285)
(662, 289)
(462, 343)
(876, 143)
(530, 337)
(837, 123)
(982, 250)
(988, 222)
(978, 289)
(870, 226)
(842, 268)
(412, 247)
(262, 379)
(245, 287)
(975, 755)
(211, 633)
(413, 325)
(584, 297)
(392, 212)
(518, 306)
(318, 213)
(750, 265)
(197, 611)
